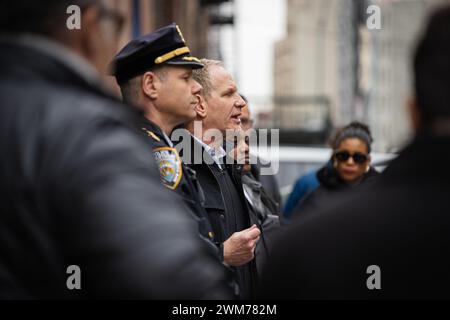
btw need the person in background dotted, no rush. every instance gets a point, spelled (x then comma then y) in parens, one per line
(268, 181)
(263, 210)
(306, 184)
(349, 168)
(392, 239)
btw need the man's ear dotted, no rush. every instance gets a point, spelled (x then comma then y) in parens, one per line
(150, 85)
(415, 114)
(201, 107)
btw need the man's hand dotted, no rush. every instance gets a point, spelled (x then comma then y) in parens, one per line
(240, 247)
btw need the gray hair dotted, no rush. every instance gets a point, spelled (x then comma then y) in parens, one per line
(202, 75)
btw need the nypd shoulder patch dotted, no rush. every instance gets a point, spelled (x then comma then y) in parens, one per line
(169, 165)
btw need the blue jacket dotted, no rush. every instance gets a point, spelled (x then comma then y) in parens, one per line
(304, 186)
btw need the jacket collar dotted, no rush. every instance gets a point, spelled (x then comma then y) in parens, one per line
(249, 180)
(153, 128)
(150, 125)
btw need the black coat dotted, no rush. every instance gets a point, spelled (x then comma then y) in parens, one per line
(79, 187)
(401, 224)
(226, 207)
(331, 185)
(269, 182)
(264, 213)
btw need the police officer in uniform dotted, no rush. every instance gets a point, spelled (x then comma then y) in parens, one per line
(154, 73)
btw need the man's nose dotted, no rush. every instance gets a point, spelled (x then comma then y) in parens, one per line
(240, 103)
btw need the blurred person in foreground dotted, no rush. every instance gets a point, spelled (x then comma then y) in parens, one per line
(75, 179)
(392, 240)
(348, 169)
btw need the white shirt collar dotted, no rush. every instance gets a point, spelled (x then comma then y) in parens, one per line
(215, 153)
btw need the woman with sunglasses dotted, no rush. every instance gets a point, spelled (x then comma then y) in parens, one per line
(349, 167)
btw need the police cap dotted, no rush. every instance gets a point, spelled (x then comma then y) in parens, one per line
(163, 46)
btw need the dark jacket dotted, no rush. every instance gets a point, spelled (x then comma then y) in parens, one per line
(269, 182)
(76, 189)
(226, 208)
(264, 211)
(176, 176)
(331, 185)
(401, 224)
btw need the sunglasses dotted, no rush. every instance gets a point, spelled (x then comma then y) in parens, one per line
(358, 157)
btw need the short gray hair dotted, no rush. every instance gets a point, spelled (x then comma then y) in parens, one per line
(202, 75)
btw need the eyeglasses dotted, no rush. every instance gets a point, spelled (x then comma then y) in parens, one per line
(358, 157)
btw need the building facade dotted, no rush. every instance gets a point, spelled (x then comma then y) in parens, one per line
(330, 54)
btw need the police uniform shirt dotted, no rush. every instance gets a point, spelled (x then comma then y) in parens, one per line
(175, 175)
